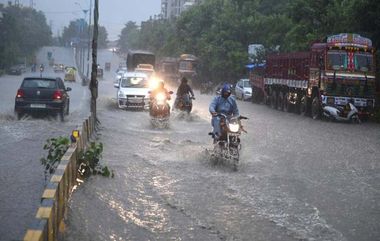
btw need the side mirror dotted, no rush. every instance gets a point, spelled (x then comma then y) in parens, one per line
(117, 86)
(68, 89)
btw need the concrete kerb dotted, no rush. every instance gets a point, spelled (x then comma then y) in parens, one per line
(48, 222)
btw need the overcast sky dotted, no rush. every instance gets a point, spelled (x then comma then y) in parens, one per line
(113, 14)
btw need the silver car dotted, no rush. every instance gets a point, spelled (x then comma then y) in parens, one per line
(243, 89)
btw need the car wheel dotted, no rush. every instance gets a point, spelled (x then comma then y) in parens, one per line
(315, 108)
(68, 108)
(62, 115)
(19, 115)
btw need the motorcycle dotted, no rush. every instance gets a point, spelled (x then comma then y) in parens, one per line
(159, 110)
(227, 146)
(184, 105)
(348, 113)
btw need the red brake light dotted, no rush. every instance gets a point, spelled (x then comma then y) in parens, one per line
(57, 95)
(20, 94)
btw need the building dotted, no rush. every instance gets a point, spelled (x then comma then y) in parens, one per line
(174, 8)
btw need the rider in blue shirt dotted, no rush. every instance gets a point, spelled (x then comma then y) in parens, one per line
(225, 104)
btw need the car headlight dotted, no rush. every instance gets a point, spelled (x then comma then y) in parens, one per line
(121, 95)
(233, 127)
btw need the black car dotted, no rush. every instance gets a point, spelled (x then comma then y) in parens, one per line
(15, 70)
(48, 95)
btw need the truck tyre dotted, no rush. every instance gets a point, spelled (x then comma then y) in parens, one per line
(287, 105)
(280, 101)
(302, 105)
(315, 108)
(273, 100)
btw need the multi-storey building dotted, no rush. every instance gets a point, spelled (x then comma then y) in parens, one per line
(173, 8)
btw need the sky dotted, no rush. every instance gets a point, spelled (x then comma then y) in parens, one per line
(113, 14)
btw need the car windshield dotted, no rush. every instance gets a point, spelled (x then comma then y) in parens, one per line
(246, 84)
(363, 61)
(39, 83)
(135, 82)
(337, 60)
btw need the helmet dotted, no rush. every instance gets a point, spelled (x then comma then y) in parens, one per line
(184, 80)
(226, 90)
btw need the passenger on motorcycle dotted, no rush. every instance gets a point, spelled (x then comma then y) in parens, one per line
(224, 104)
(184, 92)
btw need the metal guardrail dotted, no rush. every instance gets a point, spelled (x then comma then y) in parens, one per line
(49, 220)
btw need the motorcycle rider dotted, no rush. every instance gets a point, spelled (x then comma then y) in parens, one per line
(159, 89)
(225, 104)
(184, 92)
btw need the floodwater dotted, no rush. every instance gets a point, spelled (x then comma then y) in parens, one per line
(299, 179)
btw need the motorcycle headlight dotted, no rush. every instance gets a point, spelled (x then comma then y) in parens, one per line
(234, 127)
(160, 97)
(153, 83)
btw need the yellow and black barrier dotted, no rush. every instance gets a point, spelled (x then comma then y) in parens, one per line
(49, 221)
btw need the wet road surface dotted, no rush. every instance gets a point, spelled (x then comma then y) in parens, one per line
(21, 146)
(299, 179)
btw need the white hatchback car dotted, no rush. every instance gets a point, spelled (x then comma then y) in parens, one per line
(243, 89)
(133, 91)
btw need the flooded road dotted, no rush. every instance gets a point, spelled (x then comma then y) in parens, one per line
(21, 145)
(299, 179)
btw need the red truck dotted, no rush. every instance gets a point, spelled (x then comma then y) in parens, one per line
(334, 72)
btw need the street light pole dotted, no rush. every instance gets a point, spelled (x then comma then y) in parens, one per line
(94, 82)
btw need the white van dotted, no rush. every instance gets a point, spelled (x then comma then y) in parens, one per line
(133, 91)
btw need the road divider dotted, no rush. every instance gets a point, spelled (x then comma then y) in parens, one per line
(49, 221)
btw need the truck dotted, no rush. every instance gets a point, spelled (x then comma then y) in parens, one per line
(168, 69)
(334, 72)
(187, 67)
(136, 57)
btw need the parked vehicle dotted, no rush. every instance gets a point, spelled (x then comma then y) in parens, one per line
(348, 113)
(15, 70)
(332, 73)
(133, 91)
(227, 147)
(243, 89)
(37, 95)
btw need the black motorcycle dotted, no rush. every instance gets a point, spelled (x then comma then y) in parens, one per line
(228, 145)
(159, 110)
(184, 105)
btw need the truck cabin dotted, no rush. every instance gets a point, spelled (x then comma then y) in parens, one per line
(345, 53)
(137, 57)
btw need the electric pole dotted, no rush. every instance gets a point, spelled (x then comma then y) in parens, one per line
(94, 82)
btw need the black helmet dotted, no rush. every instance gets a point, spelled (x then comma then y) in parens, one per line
(184, 80)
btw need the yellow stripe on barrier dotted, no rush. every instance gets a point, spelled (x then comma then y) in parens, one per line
(33, 235)
(56, 178)
(44, 212)
(49, 193)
